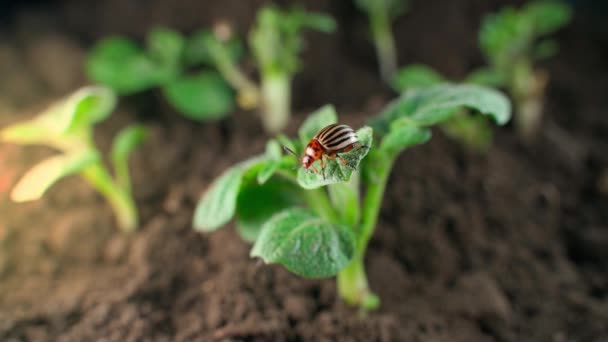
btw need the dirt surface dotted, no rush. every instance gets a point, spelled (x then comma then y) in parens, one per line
(512, 246)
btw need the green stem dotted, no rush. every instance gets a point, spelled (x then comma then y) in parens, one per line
(317, 199)
(249, 93)
(120, 199)
(353, 286)
(352, 280)
(276, 100)
(385, 43)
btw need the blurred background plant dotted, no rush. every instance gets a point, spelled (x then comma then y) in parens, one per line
(512, 41)
(169, 60)
(67, 126)
(381, 14)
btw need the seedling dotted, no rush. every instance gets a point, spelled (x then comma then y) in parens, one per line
(275, 42)
(68, 127)
(381, 13)
(512, 41)
(473, 131)
(318, 226)
(166, 62)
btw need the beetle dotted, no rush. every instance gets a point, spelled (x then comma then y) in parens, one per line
(328, 142)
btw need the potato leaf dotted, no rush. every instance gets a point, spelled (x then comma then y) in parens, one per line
(120, 64)
(486, 76)
(429, 106)
(201, 97)
(305, 244)
(218, 204)
(41, 177)
(273, 163)
(256, 204)
(402, 137)
(416, 76)
(165, 46)
(88, 106)
(335, 170)
(547, 16)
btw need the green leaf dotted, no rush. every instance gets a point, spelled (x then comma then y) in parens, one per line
(305, 244)
(486, 76)
(122, 146)
(547, 16)
(126, 141)
(416, 76)
(276, 38)
(120, 64)
(256, 204)
(335, 170)
(205, 96)
(315, 21)
(218, 204)
(204, 47)
(28, 132)
(273, 163)
(401, 137)
(165, 46)
(70, 115)
(545, 49)
(505, 36)
(88, 106)
(432, 105)
(41, 177)
(473, 131)
(317, 120)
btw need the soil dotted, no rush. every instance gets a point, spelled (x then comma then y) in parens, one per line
(508, 246)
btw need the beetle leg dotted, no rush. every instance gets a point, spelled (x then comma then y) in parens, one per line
(323, 166)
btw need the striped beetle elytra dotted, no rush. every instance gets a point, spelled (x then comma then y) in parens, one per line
(329, 142)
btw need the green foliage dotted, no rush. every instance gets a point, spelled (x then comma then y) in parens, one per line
(317, 231)
(472, 131)
(276, 39)
(305, 243)
(416, 76)
(122, 65)
(393, 7)
(68, 127)
(381, 13)
(512, 33)
(512, 41)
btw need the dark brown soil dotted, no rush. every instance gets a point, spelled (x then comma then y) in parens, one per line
(512, 246)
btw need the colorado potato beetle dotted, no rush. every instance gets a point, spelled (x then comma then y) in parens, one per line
(329, 142)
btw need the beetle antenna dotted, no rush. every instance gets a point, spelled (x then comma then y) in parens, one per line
(288, 150)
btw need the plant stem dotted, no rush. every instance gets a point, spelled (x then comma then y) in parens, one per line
(385, 43)
(120, 199)
(353, 286)
(528, 89)
(249, 93)
(276, 101)
(352, 280)
(317, 199)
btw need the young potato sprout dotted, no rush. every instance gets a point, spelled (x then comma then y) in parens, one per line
(473, 131)
(381, 13)
(275, 42)
(167, 62)
(512, 41)
(67, 126)
(319, 226)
